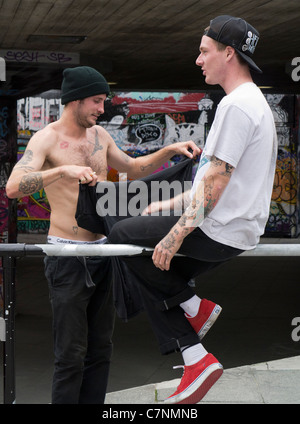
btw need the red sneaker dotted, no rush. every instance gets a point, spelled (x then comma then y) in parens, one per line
(196, 381)
(206, 317)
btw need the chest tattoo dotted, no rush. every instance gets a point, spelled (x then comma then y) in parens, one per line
(97, 145)
(64, 145)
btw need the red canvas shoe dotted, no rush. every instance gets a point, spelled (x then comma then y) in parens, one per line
(196, 381)
(206, 317)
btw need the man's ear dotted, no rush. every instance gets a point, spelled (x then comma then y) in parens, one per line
(229, 53)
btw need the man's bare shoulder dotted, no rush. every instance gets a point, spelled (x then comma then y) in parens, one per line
(47, 135)
(100, 136)
(101, 131)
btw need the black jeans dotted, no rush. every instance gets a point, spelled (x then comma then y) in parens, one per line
(163, 291)
(83, 320)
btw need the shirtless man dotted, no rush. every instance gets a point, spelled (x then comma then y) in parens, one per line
(65, 152)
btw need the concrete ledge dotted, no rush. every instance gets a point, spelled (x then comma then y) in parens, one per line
(274, 382)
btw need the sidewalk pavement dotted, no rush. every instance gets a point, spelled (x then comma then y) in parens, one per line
(274, 382)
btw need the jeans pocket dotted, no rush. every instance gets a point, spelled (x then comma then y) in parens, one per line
(50, 263)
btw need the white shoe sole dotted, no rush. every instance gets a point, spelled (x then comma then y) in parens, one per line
(198, 389)
(210, 322)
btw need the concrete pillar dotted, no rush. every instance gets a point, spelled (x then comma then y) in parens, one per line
(8, 158)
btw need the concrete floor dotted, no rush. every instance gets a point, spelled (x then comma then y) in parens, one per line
(259, 296)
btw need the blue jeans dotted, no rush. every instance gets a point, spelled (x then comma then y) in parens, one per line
(83, 320)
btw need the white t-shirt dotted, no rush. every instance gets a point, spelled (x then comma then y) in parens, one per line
(243, 134)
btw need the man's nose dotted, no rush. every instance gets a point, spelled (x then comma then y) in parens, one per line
(199, 60)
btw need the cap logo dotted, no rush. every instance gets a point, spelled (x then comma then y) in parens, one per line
(251, 42)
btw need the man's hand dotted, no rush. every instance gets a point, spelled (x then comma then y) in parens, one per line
(160, 205)
(89, 178)
(165, 250)
(182, 148)
(84, 174)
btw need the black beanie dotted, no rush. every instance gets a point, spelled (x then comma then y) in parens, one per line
(81, 82)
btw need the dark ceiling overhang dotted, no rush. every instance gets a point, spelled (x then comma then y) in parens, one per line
(139, 45)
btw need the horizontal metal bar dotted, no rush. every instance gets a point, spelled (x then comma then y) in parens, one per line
(93, 249)
(19, 249)
(286, 249)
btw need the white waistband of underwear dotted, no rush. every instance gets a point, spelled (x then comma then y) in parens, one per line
(60, 240)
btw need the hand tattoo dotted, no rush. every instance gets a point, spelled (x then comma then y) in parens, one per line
(169, 242)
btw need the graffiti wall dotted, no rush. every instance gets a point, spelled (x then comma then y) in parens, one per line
(33, 114)
(142, 122)
(284, 210)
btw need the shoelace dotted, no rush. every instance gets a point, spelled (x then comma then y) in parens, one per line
(180, 366)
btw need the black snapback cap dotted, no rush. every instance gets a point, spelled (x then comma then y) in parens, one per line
(237, 33)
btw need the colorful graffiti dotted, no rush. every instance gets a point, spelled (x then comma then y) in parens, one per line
(283, 219)
(142, 122)
(33, 211)
(284, 209)
(139, 123)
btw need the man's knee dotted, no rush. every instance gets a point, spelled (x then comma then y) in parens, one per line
(117, 234)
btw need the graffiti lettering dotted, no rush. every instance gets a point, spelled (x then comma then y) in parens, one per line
(285, 187)
(3, 149)
(34, 56)
(3, 122)
(148, 132)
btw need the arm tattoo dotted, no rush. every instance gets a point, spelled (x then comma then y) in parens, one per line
(215, 162)
(32, 183)
(210, 200)
(25, 161)
(144, 167)
(124, 156)
(27, 157)
(229, 169)
(210, 193)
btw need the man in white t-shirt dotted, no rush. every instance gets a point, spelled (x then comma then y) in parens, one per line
(227, 213)
(243, 136)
